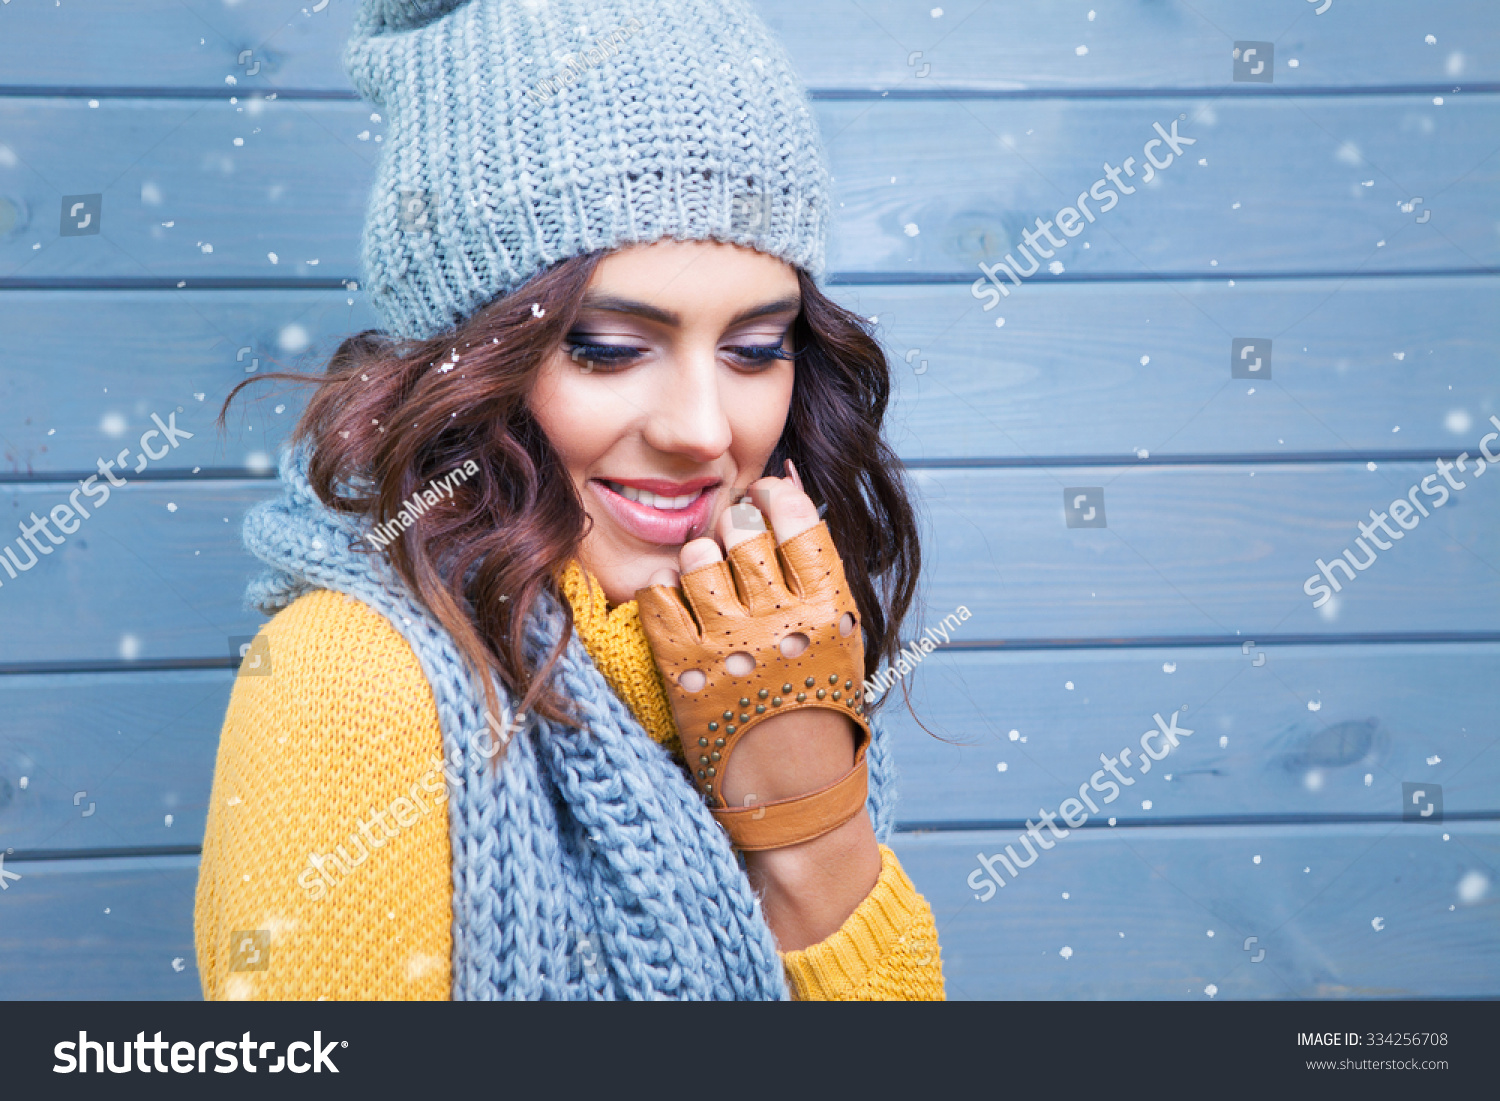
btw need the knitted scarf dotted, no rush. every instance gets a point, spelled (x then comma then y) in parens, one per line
(585, 866)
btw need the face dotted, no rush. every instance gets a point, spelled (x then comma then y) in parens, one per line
(668, 397)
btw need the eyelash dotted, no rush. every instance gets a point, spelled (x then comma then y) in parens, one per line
(618, 354)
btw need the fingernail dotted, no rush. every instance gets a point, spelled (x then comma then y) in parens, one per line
(791, 472)
(746, 517)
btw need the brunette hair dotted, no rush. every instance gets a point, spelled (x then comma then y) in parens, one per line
(390, 416)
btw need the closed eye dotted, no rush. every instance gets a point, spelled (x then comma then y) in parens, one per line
(761, 353)
(595, 356)
(606, 354)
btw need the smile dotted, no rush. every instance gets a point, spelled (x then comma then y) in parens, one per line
(654, 500)
(657, 518)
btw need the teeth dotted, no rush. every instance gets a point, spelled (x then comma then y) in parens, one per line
(652, 500)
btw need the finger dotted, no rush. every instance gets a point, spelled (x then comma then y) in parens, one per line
(757, 572)
(752, 553)
(698, 553)
(711, 593)
(789, 510)
(740, 522)
(665, 618)
(812, 564)
(665, 577)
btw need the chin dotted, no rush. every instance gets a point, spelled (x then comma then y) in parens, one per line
(623, 582)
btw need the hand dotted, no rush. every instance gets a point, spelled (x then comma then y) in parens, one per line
(775, 600)
(809, 887)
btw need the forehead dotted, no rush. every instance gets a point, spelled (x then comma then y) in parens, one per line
(697, 278)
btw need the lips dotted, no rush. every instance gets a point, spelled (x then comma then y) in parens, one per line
(647, 520)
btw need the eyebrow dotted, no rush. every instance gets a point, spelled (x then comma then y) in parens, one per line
(615, 304)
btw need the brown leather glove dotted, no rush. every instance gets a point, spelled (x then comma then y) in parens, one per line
(724, 655)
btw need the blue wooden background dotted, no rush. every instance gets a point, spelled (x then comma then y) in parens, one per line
(950, 129)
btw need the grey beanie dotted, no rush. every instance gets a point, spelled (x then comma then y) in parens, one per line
(523, 132)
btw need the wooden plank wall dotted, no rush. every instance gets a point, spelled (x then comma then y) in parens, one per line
(1280, 818)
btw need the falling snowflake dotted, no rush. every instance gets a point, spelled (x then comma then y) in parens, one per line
(1210, 990)
(1066, 953)
(1472, 887)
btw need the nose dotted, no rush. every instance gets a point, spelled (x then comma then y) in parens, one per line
(687, 415)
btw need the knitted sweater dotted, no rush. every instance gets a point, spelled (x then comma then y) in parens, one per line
(340, 735)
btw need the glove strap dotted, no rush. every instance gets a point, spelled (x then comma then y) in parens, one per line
(785, 822)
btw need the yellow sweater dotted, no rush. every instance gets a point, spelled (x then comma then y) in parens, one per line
(344, 729)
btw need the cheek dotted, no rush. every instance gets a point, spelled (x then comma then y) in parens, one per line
(758, 413)
(578, 421)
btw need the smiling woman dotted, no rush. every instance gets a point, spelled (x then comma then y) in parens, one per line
(666, 791)
(676, 410)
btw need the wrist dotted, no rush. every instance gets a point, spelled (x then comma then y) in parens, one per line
(809, 890)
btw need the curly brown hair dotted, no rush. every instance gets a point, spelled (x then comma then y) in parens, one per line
(384, 422)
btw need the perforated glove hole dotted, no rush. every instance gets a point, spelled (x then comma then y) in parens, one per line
(739, 663)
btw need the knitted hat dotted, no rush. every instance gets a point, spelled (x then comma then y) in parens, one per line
(523, 132)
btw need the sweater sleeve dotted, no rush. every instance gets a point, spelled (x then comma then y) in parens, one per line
(886, 951)
(326, 864)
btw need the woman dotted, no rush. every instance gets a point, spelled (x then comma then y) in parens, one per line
(463, 774)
